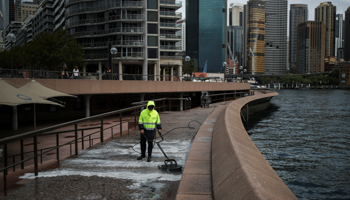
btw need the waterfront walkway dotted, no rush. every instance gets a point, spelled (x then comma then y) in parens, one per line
(111, 171)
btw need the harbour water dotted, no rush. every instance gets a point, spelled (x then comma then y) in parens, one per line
(305, 136)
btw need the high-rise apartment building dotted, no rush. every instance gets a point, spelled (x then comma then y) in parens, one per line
(235, 36)
(298, 13)
(58, 13)
(206, 33)
(347, 35)
(235, 42)
(236, 14)
(25, 9)
(326, 13)
(8, 11)
(182, 34)
(339, 32)
(276, 36)
(143, 32)
(2, 26)
(311, 47)
(255, 37)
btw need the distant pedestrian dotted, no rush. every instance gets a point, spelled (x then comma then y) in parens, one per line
(65, 74)
(76, 73)
(149, 121)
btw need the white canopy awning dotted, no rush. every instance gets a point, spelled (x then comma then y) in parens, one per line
(11, 96)
(42, 91)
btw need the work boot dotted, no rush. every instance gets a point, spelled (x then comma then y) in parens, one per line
(149, 159)
(139, 158)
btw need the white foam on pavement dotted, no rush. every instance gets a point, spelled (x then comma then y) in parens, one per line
(137, 177)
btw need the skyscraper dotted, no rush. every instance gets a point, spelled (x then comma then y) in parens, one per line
(326, 12)
(311, 47)
(206, 33)
(339, 40)
(347, 35)
(8, 11)
(236, 14)
(298, 13)
(255, 37)
(276, 36)
(235, 33)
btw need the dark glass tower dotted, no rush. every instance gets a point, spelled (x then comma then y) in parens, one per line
(206, 33)
(298, 13)
(347, 35)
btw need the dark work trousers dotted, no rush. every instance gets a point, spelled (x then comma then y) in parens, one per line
(150, 136)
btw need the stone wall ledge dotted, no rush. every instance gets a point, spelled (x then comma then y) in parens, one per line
(239, 170)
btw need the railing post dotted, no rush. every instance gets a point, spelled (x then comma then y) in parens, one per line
(35, 155)
(121, 125)
(57, 150)
(135, 117)
(101, 131)
(22, 155)
(76, 138)
(169, 105)
(5, 158)
(82, 139)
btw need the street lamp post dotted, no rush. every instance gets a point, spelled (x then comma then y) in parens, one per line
(11, 38)
(113, 52)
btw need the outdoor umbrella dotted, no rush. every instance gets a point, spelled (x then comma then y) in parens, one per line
(42, 91)
(11, 96)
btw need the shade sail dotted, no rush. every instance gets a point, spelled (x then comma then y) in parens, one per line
(12, 96)
(42, 91)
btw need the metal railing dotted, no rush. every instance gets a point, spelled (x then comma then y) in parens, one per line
(36, 153)
(45, 74)
(177, 3)
(170, 47)
(171, 36)
(164, 24)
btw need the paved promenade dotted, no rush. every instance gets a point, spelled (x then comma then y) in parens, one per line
(111, 171)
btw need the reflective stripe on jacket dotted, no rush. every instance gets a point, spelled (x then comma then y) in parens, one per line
(149, 120)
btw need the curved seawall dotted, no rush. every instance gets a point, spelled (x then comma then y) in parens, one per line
(239, 170)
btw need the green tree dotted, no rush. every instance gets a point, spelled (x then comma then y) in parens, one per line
(189, 67)
(51, 50)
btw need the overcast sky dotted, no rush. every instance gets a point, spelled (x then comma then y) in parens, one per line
(342, 5)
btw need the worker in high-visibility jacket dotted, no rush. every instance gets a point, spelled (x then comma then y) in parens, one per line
(149, 121)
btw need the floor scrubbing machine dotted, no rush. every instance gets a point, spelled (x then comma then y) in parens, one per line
(170, 165)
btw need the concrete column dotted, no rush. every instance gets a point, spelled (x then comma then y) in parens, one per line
(172, 73)
(87, 105)
(84, 71)
(145, 58)
(163, 73)
(120, 70)
(179, 72)
(14, 118)
(155, 72)
(142, 96)
(181, 101)
(100, 70)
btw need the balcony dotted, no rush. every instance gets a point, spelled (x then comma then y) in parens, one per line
(171, 14)
(115, 43)
(171, 57)
(170, 37)
(119, 55)
(170, 26)
(170, 47)
(171, 3)
(127, 4)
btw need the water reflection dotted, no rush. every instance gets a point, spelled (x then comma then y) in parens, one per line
(305, 137)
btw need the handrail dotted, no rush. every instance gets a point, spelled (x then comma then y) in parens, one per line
(49, 130)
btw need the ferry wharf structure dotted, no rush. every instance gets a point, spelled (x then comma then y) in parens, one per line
(223, 163)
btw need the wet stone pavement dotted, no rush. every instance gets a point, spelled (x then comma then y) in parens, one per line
(111, 171)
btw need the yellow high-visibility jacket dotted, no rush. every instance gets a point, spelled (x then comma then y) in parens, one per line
(149, 120)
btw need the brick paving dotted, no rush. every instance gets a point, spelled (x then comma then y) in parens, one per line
(111, 171)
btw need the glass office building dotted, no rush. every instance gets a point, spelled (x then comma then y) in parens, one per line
(206, 33)
(298, 13)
